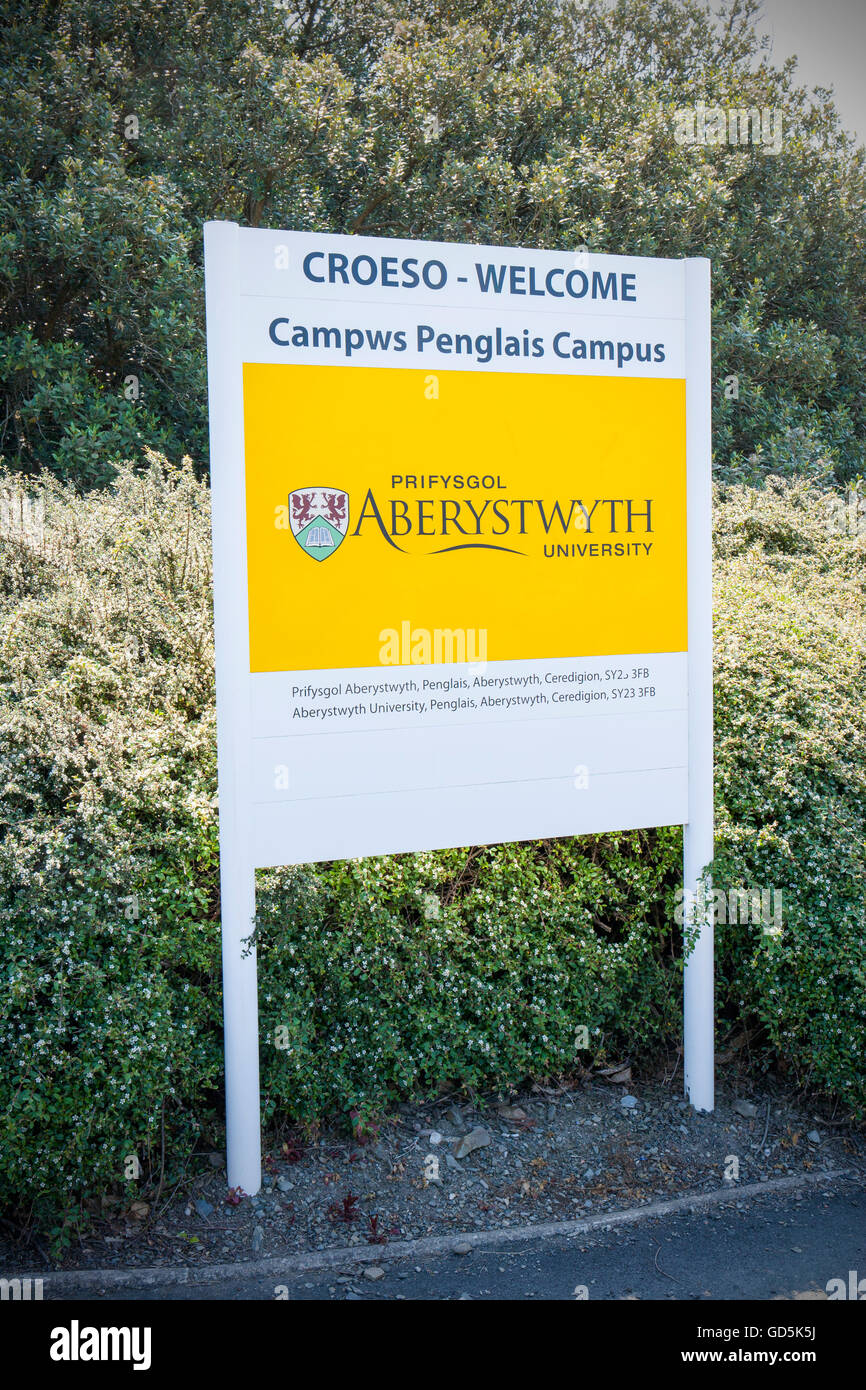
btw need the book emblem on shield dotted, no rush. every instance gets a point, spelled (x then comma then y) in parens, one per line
(319, 518)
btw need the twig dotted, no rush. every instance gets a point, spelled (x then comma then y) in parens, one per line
(215, 1226)
(169, 1199)
(766, 1126)
(162, 1163)
(669, 1079)
(659, 1269)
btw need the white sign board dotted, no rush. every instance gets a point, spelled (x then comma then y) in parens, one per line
(461, 516)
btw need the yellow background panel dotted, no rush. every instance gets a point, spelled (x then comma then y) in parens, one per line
(554, 438)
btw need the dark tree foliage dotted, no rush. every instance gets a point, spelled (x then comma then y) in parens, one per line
(125, 126)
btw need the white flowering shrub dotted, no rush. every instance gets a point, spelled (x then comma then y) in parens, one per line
(396, 976)
(110, 1007)
(790, 690)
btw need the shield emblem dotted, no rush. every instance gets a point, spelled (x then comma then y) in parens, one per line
(319, 518)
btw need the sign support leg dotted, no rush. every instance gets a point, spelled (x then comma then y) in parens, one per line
(237, 872)
(698, 1005)
(240, 1014)
(698, 1010)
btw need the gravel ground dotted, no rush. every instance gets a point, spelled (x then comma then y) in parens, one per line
(456, 1166)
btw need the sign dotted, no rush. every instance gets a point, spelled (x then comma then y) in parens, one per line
(461, 502)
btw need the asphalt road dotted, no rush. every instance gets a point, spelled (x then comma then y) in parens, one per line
(774, 1247)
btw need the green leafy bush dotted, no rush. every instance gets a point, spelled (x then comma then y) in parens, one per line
(394, 976)
(521, 122)
(554, 127)
(383, 978)
(790, 682)
(110, 1008)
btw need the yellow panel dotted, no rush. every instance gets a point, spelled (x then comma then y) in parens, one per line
(541, 439)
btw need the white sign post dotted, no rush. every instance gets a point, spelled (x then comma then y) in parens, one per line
(231, 641)
(462, 593)
(698, 1003)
